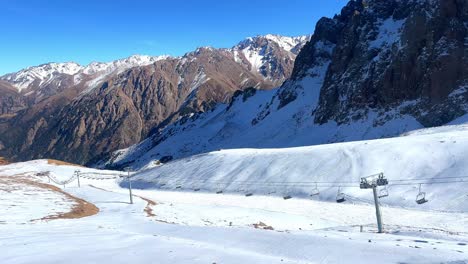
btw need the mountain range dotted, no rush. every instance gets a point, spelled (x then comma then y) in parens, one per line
(378, 69)
(80, 113)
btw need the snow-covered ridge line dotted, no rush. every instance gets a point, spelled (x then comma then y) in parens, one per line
(42, 74)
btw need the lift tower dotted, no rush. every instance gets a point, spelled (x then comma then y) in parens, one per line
(372, 182)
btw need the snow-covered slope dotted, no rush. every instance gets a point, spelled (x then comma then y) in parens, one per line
(410, 160)
(204, 227)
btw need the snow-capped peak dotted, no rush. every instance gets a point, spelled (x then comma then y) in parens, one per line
(257, 51)
(42, 73)
(122, 64)
(285, 42)
(102, 70)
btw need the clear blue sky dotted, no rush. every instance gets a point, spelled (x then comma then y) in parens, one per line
(40, 31)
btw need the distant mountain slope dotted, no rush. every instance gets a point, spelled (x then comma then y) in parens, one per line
(378, 69)
(79, 113)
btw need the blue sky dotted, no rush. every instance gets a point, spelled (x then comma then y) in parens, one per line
(41, 31)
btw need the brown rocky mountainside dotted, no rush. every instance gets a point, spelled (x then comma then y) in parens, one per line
(78, 114)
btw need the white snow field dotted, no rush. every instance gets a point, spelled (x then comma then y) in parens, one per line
(188, 226)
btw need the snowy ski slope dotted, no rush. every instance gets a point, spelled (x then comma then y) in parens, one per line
(438, 160)
(188, 226)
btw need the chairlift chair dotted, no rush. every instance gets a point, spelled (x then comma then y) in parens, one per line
(315, 191)
(271, 190)
(286, 193)
(197, 187)
(220, 189)
(421, 197)
(383, 192)
(381, 180)
(340, 197)
(245, 190)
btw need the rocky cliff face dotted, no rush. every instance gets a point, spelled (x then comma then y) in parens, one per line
(81, 113)
(394, 53)
(378, 69)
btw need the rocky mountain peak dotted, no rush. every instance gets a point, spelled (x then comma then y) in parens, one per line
(290, 44)
(261, 54)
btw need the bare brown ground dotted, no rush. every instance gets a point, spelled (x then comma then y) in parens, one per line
(261, 225)
(3, 161)
(80, 209)
(59, 163)
(148, 209)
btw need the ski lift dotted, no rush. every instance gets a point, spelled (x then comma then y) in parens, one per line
(244, 190)
(383, 192)
(240, 189)
(196, 187)
(220, 189)
(340, 197)
(315, 191)
(286, 192)
(421, 197)
(270, 189)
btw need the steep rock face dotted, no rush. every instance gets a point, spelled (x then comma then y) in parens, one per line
(81, 113)
(378, 69)
(393, 52)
